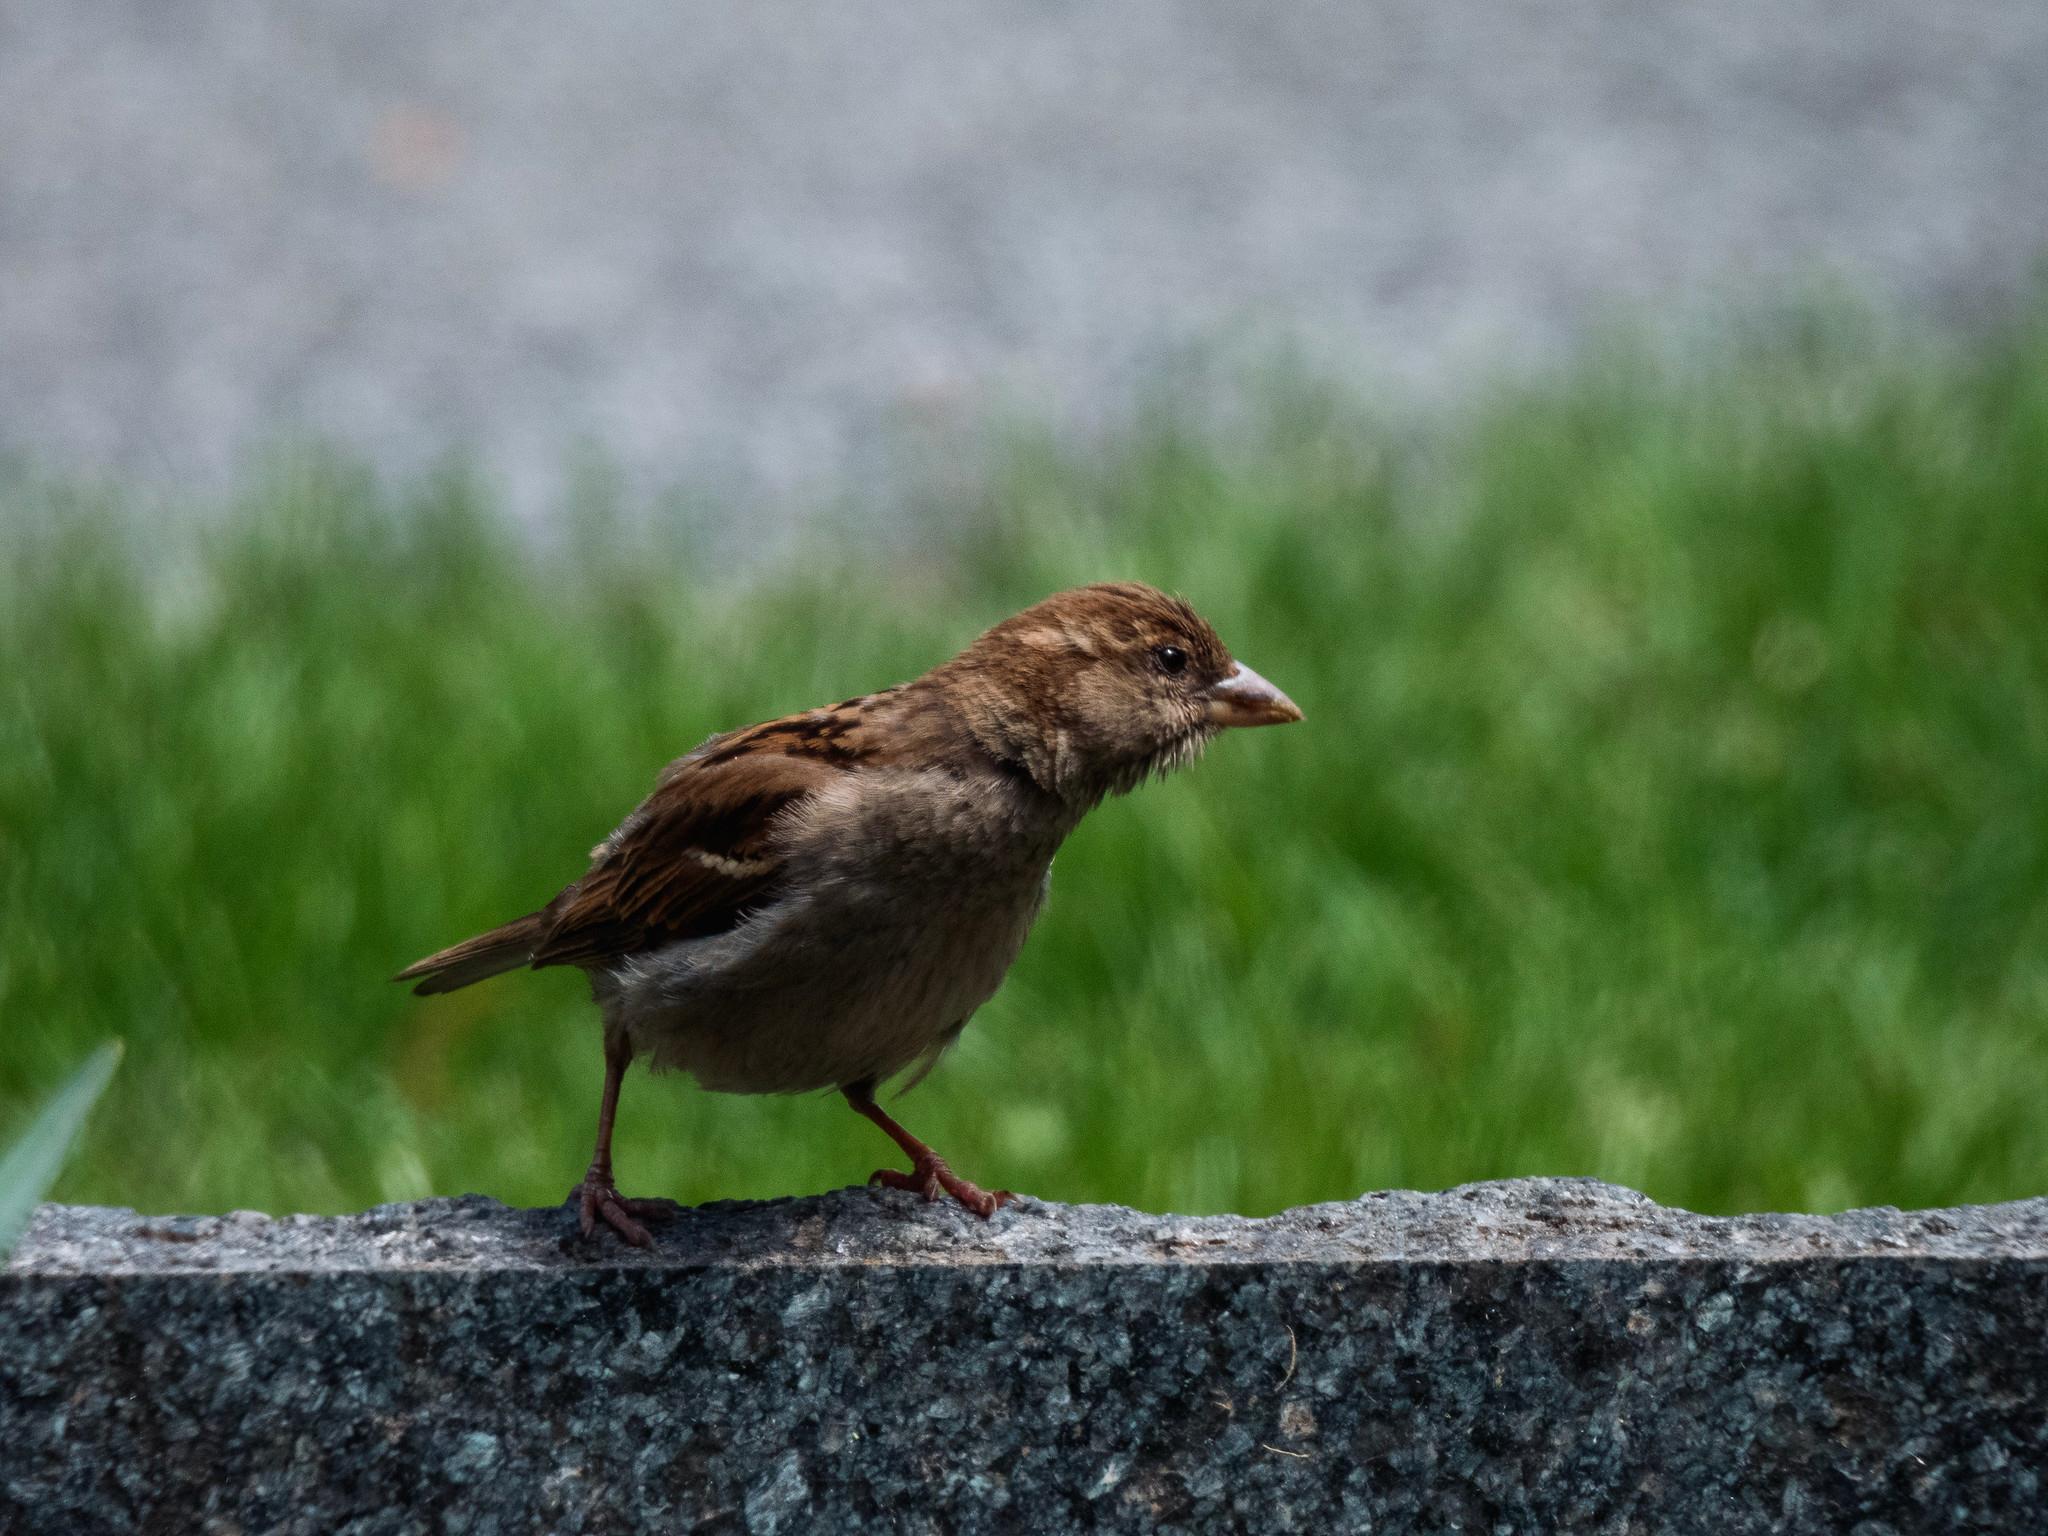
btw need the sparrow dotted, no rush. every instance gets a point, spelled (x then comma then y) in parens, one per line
(823, 901)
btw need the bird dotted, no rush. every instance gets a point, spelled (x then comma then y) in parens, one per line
(822, 901)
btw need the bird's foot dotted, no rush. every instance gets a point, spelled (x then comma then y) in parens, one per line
(598, 1199)
(930, 1175)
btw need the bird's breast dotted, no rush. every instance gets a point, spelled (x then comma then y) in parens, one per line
(907, 901)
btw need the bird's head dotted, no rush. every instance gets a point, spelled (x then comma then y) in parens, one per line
(1093, 690)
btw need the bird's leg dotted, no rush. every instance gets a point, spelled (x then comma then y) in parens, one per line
(597, 1197)
(928, 1171)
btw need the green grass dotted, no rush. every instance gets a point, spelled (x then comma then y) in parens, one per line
(1672, 807)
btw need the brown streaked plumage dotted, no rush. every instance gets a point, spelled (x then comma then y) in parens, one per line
(823, 900)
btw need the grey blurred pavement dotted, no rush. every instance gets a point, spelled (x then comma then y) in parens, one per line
(747, 248)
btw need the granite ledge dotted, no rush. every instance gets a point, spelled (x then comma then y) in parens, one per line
(1538, 1355)
(1511, 1221)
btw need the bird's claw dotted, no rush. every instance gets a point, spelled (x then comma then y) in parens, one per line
(598, 1199)
(928, 1177)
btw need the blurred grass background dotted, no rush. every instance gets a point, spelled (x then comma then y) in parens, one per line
(1672, 807)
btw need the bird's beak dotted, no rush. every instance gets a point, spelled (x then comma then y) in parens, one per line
(1245, 698)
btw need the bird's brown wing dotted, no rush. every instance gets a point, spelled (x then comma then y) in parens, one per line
(701, 851)
(698, 854)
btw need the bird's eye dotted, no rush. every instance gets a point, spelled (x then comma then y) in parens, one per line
(1171, 658)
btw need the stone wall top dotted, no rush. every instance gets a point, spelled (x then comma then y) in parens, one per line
(1503, 1222)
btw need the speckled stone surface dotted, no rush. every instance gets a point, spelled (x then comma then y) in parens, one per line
(1536, 1356)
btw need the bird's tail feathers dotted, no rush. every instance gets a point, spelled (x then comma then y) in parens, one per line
(488, 954)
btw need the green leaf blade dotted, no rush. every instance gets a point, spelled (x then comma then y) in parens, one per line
(32, 1164)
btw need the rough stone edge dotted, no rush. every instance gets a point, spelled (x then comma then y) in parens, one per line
(1510, 1221)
